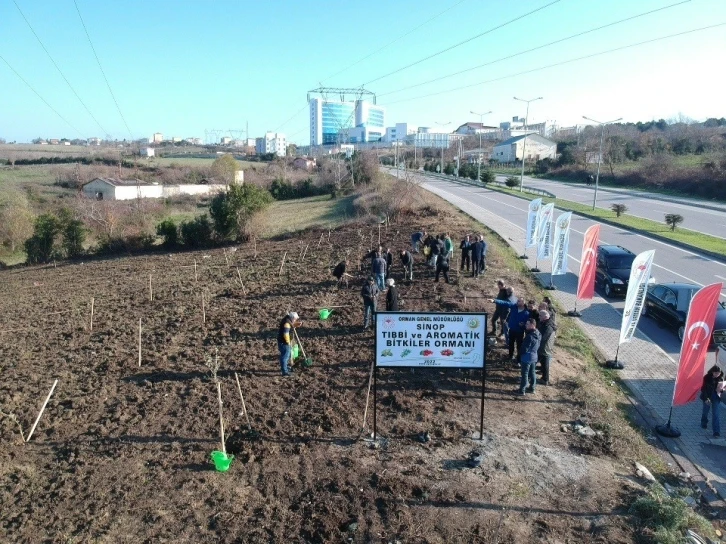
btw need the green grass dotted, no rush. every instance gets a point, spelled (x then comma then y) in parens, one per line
(27, 175)
(692, 238)
(196, 161)
(287, 216)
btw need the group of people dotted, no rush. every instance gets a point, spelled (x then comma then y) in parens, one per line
(474, 254)
(528, 327)
(439, 250)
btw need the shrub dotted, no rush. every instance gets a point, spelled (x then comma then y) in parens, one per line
(449, 169)
(74, 235)
(168, 230)
(197, 232)
(619, 209)
(672, 220)
(512, 181)
(487, 176)
(230, 211)
(39, 248)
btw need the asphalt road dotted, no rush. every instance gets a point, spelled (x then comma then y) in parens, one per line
(640, 204)
(670, 263)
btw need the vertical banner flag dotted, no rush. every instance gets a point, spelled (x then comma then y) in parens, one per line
(696, 338)
(634, 300)
(544, 231)
(562, 244)
(588, 263)
(532, 218)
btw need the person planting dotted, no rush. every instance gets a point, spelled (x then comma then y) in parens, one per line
(369, 294)
(284, 343)
(407, 262)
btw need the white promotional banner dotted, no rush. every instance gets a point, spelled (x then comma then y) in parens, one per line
(634, 300)
(562, 243)
(407, 339)
(544, 231)
(532, 218)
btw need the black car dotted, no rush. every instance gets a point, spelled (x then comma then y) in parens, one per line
(613, 269)
(668, 304)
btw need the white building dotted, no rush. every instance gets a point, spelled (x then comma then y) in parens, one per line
(157, 138)
(537, 148)
(129, 189)
(475, 128)
(271, 142)
(433, 139)
(399, 132)
(146, 151)
(331, 121)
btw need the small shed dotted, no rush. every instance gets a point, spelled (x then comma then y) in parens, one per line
(121, 189)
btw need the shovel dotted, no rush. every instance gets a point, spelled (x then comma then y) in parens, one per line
(306, 362)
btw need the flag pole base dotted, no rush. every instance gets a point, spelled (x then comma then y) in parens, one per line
(574, 313)
(535, 269)
(667, 430)
(614, 364)
(551, 288)
(524, 256)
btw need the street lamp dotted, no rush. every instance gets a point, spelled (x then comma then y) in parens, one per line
(599, 155)
(481, 129)
(524, 145)
(442, 145)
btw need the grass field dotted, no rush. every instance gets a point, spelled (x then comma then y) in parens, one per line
(287, 216)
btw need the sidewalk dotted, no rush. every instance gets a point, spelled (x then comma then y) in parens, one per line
(649, 372)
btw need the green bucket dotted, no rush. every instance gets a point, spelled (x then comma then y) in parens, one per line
(295, 351)
(325, 313)
(221, 460)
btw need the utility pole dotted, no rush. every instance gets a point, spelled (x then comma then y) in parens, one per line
(481, 129)
(442, 145)
(524, 144)
(599, 156)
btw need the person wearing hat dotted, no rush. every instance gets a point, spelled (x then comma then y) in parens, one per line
(284, 343)
(391, 296)
(369, 294)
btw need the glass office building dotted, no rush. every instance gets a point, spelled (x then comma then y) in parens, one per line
(332, 121)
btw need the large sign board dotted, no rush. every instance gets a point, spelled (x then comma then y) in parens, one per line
(444, 340)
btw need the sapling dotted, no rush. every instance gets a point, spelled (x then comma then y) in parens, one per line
(90, 325)
(14, 418)
(282, 263)
(213, 365)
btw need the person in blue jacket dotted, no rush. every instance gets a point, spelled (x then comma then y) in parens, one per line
(518, 316)
(530, 347)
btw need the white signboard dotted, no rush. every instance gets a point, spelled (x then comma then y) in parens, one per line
(453, 340)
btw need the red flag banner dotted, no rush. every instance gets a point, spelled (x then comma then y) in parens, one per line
(588, 263)
(696, 338)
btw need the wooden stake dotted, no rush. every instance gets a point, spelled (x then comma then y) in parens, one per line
(204, 314)
(282, 264)
(240, 281)
(90, 327)
(221, 417)
(244, 408)
(139, 342)
(151, 291)
(321, 239)
(304, 252)
(225, 256)
(41, 411)
(368, 395)
(195, 270)
(328, 235)
(379, 234)
(255, 247)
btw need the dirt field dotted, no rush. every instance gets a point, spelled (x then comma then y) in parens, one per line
(122, 452)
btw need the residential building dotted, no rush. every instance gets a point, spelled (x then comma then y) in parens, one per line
(332, 121)
(129, 189)
(432, 139)
(54, 141)
(94, 141)
(157, 138)
(225, 140)
(537, 148)
(194, 141)
(271, 142)
(146, 151)
(399, 132)
(475, 128)
(303, 163)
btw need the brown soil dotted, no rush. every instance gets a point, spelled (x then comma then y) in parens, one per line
(122, 452)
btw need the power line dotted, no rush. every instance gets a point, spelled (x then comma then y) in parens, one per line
(394, 41)
(103, 131)
(463, 42)
(102, 72)
(292, 117)
(563, 62)
(508, 57)
(38, 95)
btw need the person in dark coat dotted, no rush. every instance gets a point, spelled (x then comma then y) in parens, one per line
(711, 398)
(416, 239)
(407, 262)
(483, 258)
(501, 312)
(373, 255)
(465, 248)
(533, 310)
(435, 249)
(369, 293)
(391, 296)
(547, 343)
(530, 347)
(339, 273)
(477, 250)
(388, 256)
(442, 267)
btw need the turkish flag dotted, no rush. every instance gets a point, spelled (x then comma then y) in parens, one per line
(588, 263)
(696, 338)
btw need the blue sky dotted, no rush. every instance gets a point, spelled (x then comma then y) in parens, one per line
(180, 67)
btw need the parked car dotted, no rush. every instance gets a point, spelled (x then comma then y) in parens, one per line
(613, 269)
(668, 304)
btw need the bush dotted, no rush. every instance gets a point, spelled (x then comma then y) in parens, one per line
(449, 169)
(619, 209)
(168, 230)
(131, 244)
(74, 235)
(512, 181)
(230, 211)
(197, 232)
(487, 176)
(39, 248)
